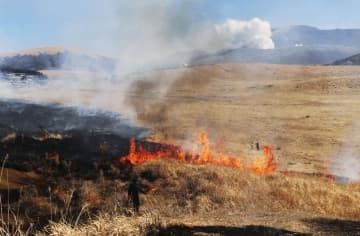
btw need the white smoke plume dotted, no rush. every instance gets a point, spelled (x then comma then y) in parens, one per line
(156, 43)
(346, 162)
(210, 38)
(147, 34)
(141, 35)
(254, 33)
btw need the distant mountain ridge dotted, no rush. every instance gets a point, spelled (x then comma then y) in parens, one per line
(301, 44)
(293, 55)
(54, 58)
(351, 61)
(294, 45)
(312, 36)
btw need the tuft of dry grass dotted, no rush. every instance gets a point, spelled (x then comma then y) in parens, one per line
(106, 225)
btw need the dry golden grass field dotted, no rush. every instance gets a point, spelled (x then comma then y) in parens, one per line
(205, 199)
(308, 114)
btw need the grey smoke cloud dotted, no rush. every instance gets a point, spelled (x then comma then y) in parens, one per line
(155, 38)
(147, 34)
(142, 36)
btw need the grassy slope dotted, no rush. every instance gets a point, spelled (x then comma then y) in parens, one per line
(305, 112)
(204, 196)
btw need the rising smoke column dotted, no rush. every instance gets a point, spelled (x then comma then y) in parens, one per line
(158, 36)
(142, 35)
(158, 41)
(346, 162)
(147, 35)
(254, 33)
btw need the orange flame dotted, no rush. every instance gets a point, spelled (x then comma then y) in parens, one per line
(329, 178)
(152, 188)
(205, 155)
(266, 164)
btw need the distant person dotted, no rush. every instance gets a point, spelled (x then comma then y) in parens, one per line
(133, 194)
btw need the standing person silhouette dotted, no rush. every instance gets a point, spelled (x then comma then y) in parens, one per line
(133, 194)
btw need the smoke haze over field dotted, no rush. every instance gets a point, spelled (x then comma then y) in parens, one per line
(153, 33)
(347, 161)
(147, 34)
(142, 36)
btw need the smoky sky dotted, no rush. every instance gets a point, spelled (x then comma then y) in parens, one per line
(144, 34)
(141, 36)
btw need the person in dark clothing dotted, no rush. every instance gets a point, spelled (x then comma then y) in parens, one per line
(133, 194)
(257, 146)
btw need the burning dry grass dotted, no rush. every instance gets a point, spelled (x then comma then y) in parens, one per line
(302, 110)
(205, 194)
(202, 195)
(294, 108)
(201, 153)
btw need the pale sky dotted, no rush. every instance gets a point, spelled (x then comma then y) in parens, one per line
(84, 23)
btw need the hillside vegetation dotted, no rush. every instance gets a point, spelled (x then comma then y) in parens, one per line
(196, 198)
(309, 114)
(350, 61)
